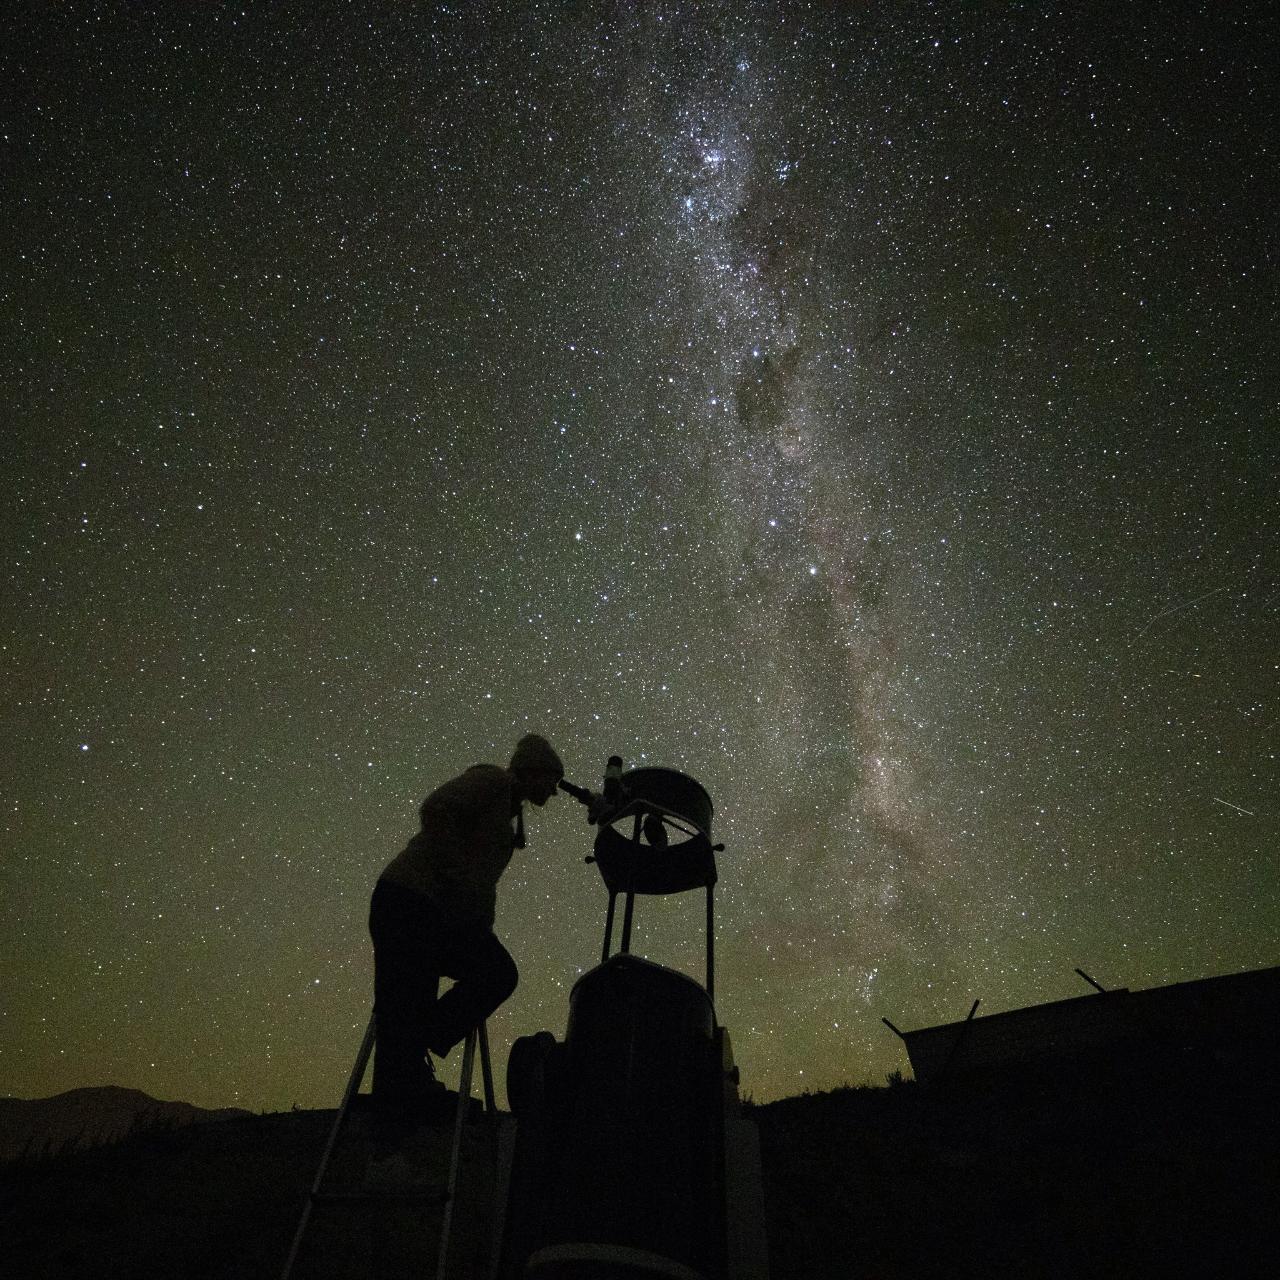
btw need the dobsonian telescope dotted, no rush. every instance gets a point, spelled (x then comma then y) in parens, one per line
(631, 1156)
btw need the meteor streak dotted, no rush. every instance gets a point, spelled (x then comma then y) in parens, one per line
(1236, 807)
(1175, 608)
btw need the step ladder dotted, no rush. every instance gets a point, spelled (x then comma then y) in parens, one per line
(319, 1196)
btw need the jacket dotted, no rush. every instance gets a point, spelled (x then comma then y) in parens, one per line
(463, 845)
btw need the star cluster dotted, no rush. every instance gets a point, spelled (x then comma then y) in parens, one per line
(870, 410)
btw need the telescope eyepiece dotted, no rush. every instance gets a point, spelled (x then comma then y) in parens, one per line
(613, 779)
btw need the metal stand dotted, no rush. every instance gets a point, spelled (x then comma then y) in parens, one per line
(629, 888)
(625, 948)
(316, 1195)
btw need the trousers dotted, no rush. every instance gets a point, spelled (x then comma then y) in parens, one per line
(415, 944)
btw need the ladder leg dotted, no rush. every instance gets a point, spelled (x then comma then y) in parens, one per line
(353, 1087)
(490, 1102)
(455, 1160)
(486, 1068)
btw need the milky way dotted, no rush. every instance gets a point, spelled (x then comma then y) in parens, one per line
(871, 410)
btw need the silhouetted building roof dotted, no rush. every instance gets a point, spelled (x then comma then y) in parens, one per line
(1233, 1017)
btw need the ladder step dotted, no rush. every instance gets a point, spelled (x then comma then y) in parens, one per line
(434, 1195)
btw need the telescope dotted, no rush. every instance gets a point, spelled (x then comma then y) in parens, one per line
(627, 1155)
(631, 1156)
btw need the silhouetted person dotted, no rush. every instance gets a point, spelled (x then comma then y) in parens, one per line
(432, 916)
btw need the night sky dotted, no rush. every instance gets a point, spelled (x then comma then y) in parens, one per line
(869, 409)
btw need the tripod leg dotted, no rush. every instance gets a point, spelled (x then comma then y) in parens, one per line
(608, 929)
(711, 949)
(626, 922)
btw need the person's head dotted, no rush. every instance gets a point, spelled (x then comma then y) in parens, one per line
(536, 768)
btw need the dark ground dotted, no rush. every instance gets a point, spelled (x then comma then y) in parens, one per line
(1091, 1172)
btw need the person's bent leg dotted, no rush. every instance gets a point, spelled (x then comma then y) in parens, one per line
(486, 976)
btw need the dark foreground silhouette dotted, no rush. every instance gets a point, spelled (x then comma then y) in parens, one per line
(1092, 1171)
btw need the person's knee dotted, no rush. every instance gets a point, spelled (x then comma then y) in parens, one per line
(504, 975)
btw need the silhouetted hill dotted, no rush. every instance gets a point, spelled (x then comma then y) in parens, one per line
(216, 1200)
(1078, 1173)
(89, 1117)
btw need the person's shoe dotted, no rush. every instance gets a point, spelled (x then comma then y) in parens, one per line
(430, 1094)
